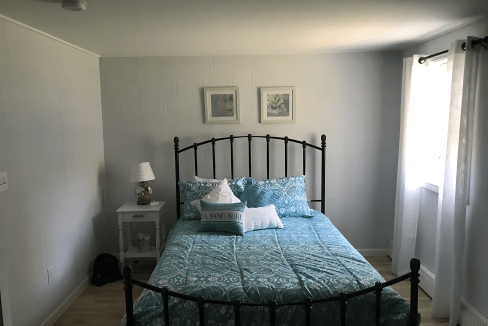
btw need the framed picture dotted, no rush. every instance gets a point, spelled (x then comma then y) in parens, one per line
(278, 105)
(222, 105)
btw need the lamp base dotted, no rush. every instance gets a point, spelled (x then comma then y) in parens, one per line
(143, 193)
(143, 201)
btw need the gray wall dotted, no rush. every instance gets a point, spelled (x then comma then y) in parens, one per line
(353, 98)
(476, 222)
(51, 144)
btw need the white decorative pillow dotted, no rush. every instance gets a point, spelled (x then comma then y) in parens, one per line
(220, 194)
(207, 180)
(261, 218)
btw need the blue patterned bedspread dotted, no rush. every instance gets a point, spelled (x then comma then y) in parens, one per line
(309, 257)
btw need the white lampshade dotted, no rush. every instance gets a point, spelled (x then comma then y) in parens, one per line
(141, 172)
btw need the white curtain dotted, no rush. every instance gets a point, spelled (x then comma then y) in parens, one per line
(416, 80)
(462, 71)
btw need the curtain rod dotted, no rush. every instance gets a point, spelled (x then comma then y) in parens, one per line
(463, 47)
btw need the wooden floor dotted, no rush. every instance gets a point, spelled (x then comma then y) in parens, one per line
(105, 305)
(383, 266)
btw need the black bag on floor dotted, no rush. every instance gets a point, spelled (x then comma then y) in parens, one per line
(105, 270)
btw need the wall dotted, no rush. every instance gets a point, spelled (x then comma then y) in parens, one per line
(476, 221)
(353, 98)
(51, 141)
(3, 166)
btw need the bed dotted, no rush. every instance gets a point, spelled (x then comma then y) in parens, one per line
(306, 273)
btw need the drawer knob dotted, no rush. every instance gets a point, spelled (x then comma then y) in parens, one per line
(138, 215)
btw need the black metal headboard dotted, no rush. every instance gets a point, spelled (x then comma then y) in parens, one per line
(249, 139)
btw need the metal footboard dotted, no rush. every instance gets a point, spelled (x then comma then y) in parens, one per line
(414, 318)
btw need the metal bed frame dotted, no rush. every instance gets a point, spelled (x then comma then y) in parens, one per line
(414, 316)
(249, 137)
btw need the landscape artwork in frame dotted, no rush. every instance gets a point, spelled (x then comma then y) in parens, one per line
(221, 104)
(278, 105)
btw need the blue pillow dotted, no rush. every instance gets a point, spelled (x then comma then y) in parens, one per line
(228, 217)
(192, 190)
(287, 194)
(258, 195)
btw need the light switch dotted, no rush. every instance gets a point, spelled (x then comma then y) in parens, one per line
(3, 181)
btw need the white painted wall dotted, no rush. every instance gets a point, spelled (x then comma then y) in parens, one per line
(353, 98)
(51, 142)
(476, 222)
(4, 291)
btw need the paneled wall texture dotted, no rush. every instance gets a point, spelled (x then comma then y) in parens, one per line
(353, 98)
(51, 144)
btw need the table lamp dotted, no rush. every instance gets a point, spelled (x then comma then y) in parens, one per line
(142, 172)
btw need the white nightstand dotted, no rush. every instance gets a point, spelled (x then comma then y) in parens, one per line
(131, 213)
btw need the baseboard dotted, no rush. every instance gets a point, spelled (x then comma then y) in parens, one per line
(471, 316)
(427, 280)
(67, 302)
(372, 252)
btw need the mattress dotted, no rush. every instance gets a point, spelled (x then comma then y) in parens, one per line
(309, 257)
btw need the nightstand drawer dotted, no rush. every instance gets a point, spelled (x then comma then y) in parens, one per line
(140, 217)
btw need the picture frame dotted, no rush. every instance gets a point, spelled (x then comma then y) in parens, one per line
(278, 104)
(222, 104)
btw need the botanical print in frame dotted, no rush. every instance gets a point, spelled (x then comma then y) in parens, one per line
(278, 105)
(222, 105)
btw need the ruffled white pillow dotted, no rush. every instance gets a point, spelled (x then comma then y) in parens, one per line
(220, 194)
(206, 180)
(261, 218)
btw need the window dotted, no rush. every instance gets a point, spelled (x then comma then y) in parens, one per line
(437, 119)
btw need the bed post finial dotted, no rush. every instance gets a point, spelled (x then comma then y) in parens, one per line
(414, 291)
(249, 138)
(414, 264)
(232, 156)
(127, 271)
(268, 138)
(322, 185)
(286, 156)
(177, 141)
(213, 157)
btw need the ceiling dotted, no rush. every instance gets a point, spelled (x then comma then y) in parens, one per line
(245, 27)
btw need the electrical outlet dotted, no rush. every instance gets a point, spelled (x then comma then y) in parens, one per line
(3, 181)
(50, 275)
